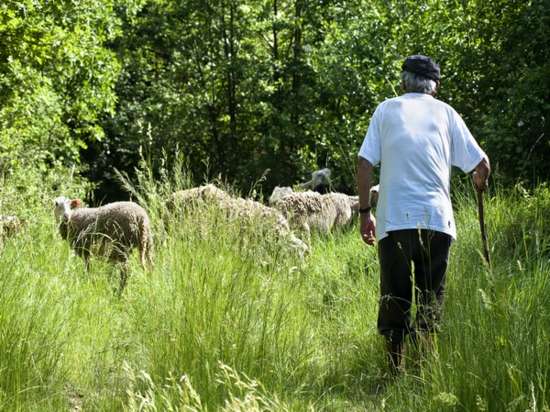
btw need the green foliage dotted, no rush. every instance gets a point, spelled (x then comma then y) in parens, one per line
(275, 88)
(280, 88)
(56, 79)
(34, 321)
(523, 228)
(32, 335)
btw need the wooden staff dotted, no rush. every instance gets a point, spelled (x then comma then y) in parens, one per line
(482, 226)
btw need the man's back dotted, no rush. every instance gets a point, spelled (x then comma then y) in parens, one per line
(416, 139)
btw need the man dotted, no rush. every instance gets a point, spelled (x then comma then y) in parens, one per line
(416, 139)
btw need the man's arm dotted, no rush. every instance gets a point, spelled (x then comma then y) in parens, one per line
(481, 174)
(364, 178)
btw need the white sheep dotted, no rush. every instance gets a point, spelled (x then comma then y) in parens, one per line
(314, 211)
(281, 191)
(236, 208)
(111, 231)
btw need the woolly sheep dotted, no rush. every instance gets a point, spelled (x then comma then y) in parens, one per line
(111, 231)
(245, 210)
(311, 210)
(281, 191)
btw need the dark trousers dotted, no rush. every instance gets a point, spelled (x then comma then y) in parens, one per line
(428, 250)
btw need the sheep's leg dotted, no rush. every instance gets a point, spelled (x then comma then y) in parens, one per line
(145, 243)
(145, 255)
(86, 257)
(123, 277)
(83, 251)
(149, 257)
(307, 233)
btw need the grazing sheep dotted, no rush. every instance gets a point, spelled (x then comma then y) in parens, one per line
(320, 181)
(9, 226)
(197, 196)
(244, 210)
(281, 191)
(311, 210)
(111, 231)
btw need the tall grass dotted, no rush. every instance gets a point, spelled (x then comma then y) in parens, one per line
(229, 319)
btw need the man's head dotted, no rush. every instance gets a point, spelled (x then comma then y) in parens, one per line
(420, 75)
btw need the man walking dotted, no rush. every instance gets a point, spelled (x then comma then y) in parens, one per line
(416, 139)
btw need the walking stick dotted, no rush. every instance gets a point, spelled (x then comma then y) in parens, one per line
(482, 226)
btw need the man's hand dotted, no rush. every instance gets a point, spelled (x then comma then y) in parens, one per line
(481, 175)
(367, 228)
(479, 181)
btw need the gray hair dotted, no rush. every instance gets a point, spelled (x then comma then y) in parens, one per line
(414, 83)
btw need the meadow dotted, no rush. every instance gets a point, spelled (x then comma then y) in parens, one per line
(229, 320)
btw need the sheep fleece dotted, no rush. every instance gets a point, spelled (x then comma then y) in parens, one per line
(112, 230)
(311, 210)
(244, 210)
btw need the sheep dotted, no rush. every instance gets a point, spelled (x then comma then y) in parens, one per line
(239, 209)
(196, 196)
(320, 181)
(281, 191)
(111, 231)
(311, 210)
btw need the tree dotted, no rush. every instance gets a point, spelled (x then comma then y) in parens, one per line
(56, 79)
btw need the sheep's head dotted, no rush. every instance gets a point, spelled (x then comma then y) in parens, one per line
(320, 177)
(63, 207)
(278, 193)
(354, 203)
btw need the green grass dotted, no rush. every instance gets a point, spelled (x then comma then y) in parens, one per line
(230, 320)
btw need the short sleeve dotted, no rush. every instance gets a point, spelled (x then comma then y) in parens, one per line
(370, 149)
(465, 152)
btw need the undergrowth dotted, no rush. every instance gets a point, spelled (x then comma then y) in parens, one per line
(229, 320)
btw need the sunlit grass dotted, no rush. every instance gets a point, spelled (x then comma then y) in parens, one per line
(228, 318)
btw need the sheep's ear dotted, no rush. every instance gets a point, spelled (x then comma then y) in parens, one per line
(76, 203)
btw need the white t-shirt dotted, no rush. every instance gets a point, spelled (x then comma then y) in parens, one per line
(416, 139)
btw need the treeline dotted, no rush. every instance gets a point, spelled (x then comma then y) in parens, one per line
(243, 89)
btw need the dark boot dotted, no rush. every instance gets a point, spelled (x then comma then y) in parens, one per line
(395, 356)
